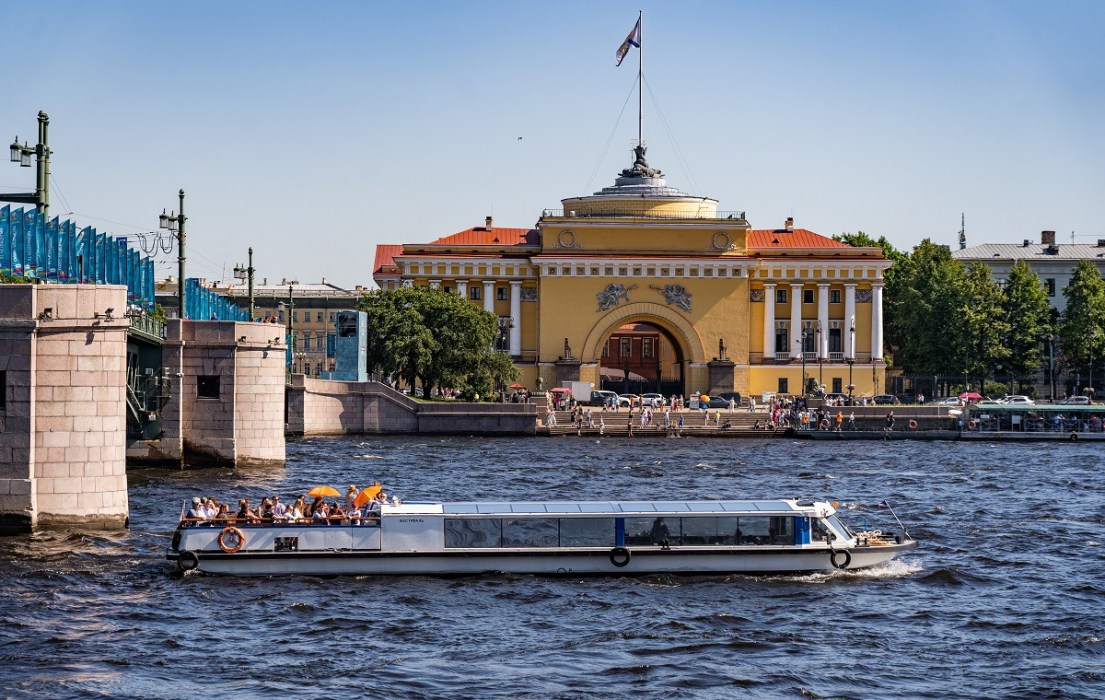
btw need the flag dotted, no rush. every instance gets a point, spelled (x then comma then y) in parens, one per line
(634, 39)
(19, 241)
(51, 256)
(884, 504)
(5, 242)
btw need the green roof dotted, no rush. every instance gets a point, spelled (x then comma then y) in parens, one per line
(1041, 408)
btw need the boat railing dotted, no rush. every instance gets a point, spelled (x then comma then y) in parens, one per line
(360, 521)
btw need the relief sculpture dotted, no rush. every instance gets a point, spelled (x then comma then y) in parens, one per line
(613, 295)
(676, 295)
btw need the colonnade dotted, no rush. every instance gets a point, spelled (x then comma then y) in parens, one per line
(820, 330)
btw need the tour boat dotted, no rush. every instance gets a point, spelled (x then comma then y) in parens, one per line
(573, 538)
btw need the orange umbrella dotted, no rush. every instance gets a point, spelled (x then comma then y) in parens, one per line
(367, 494)
(323, 491)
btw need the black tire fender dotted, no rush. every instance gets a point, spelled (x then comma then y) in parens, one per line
(620, 556)
(188, 560)
(1074, 436)
(847, 558)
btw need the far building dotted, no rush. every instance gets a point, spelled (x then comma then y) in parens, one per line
(642, 287)
(1053, 262)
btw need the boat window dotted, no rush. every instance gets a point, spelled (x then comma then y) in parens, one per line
(652, 531)
(530, 532)
(697, 531)
(587, 532)
(472, 532)
(759, 530)
(839, 526)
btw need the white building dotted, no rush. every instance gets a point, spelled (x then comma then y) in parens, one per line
(1053, 262)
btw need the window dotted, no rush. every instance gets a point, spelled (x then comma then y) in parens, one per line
(473, 532)
(838, 385)
(282, 317)
(783, 386)
(474, 293)
(606, 349)
(782, 340)
(834, 296)
(448, 289)
(531, 532)
(207, 386)
(780, 296)
(626, 347)
(807, 296)
(761, 530)
(835, 340)
(318, 317)
(586, 532)
(347, 326)
(653, 531)
(500, 293)
(333, 316)
(3, 390)
(1050, 282)
(809, 340)
(647, 347)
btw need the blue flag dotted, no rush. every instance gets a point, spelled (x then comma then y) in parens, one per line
(101, 258)
(51, 256)
(19, 242)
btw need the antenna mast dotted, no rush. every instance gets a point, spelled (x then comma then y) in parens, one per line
(962, 231)
(640, 77)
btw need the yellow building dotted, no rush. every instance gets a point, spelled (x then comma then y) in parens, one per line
(732, 308)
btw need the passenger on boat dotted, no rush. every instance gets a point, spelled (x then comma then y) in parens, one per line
(297, 511)
(320, 513)
(660, 532)
(350, 496)
(197, 512)
(279, 510)
(244, 511)
(265, 511)
(318, 502)
(223, 514)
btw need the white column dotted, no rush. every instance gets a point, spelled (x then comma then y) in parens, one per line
(876, 322)
(516, 316)
(462, 289)
(769, 321)
(489, 296)
(849, 321)
(823, 320)
(796, 321)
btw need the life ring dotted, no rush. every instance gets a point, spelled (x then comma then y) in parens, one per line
(972, 424)
(847, 559)
(1074, 436)
(238, 535)
(912, 424)
(620, 556)
(188, 560)
(824, 424)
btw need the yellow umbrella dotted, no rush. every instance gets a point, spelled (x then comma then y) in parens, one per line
(323, 491)
(367, 494)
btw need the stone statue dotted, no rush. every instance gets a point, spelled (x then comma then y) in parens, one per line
(640, 165)
(676, 295)
(721, 348)
(567, 350)
(613, 295)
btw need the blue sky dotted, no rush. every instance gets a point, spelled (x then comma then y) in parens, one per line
(314, 131)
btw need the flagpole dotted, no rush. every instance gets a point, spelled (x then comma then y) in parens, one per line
(640, 77)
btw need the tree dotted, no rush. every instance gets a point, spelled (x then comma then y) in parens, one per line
(1029, 317)
(981, 326)
(1082, 324)
(923, 304)
(429, 336)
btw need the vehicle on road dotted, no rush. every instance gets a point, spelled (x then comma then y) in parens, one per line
(885, 400)
(653, 400)
(602, 397)
(947, 401)
(1016, 399)
(627, 400)
(1075, 401)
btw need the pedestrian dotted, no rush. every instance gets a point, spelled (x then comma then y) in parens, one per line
(890, 420)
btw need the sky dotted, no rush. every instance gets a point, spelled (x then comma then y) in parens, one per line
(313, 131)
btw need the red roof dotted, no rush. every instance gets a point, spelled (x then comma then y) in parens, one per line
(481, 235)
(385, 256)
(781, 238)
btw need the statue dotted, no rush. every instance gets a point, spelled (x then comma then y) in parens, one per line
(676, 295)
(640, 165)
(721, 348)
(613, 295)
(567, 350)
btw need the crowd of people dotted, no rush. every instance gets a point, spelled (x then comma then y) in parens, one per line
(305, 510)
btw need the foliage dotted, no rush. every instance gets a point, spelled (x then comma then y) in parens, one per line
(5, 278)
(981, 326)
(1029, 317)
(159, 313)
(1082, 325)
(440, 340)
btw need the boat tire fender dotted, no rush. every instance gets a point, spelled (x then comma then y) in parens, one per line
(912, 424)
(240, 539)
(188, 560)
(847, 559)
(620, 556)
(898, 539)
(1073, 436)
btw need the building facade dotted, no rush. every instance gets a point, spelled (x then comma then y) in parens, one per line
(1053, 262)
(730, 307)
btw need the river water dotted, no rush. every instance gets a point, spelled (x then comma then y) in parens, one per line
(1004, 597)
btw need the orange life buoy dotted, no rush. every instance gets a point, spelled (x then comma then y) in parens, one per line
(972, 424)
(912, 424)
(239, 537)
(824, 424)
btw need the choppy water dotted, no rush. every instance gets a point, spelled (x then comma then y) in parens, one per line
(1004, 598)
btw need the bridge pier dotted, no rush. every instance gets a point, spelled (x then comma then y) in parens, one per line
(62, 406)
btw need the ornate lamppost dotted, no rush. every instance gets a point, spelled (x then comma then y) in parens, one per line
(22, 154)
(174, 224)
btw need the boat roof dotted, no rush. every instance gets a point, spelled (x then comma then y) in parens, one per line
(1042, 408)
(608, 507)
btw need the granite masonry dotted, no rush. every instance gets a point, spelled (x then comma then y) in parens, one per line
(62, 406)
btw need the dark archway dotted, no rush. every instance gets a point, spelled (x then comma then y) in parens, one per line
(640, 357)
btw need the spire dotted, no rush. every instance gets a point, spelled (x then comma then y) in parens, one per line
(962, 231)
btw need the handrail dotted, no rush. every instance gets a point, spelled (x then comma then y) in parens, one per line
(234, 520)
(592, 212)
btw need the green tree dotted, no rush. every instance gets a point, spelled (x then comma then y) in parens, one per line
(923, 301)
(981, 326)
(399, 343)
(1082, 324)
(1029, 317)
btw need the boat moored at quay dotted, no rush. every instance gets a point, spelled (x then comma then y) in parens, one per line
(565, 537)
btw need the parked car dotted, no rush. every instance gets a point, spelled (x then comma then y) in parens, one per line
(946, 401)
(727, 395)
(627, 400)
(838, 399)
(1075, 401)
(653, 400)
(1016, 399)
(907, 398)
(885, 399)
(602, 397)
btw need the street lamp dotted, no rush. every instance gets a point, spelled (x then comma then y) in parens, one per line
(21, 153)
(174, 224)
(851, 356)
(820, 366)
(243, 273)
(805, 336)
(1051, 363)
(290, 308)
